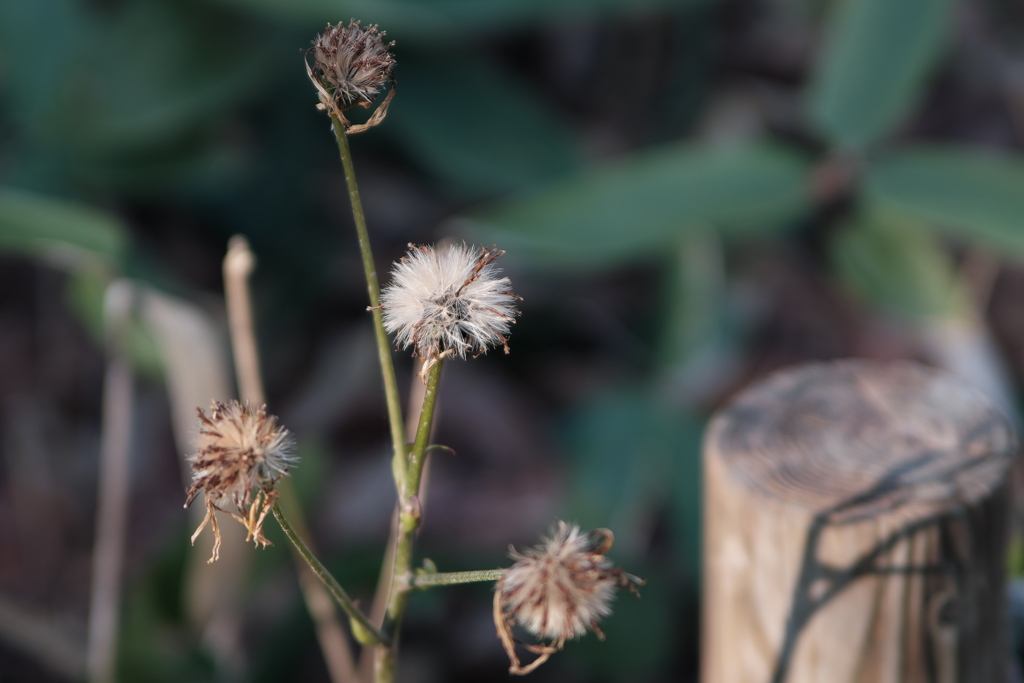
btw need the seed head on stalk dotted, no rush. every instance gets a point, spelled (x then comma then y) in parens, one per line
(351, 65)
(448, 300)
(240, 454)
(558, 590)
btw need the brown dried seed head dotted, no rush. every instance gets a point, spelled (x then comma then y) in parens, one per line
(351, 64)
(240, 453)
(558, 590)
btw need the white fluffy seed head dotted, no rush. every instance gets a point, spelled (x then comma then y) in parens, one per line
(448, 300)
(562, 587)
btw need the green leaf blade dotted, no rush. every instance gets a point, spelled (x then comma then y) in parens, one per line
(971, 195)
(876, 57)
(39, 225)
(447, 118)
(896, 266)
(650, 202)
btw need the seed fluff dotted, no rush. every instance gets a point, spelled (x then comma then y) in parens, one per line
(448, 300)
(240, 454)
(558, 590)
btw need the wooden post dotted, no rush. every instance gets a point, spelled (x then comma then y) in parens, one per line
(856, 516)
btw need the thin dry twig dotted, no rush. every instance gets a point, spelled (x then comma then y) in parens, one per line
(112, 497)
(238, 266)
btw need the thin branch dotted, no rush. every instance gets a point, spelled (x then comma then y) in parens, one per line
(428, 580)
(364, 631)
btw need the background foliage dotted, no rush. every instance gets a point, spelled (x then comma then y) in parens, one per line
(691, 193)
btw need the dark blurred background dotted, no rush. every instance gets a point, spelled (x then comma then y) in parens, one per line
(692, 193)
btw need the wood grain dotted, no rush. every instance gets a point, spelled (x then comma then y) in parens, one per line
(855, 527)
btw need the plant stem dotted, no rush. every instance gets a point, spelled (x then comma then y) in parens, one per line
(425, 580)
(408, 522)
(362, 629)
(417, 456)
(387, 365)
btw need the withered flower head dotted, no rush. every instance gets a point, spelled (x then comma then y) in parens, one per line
(557, 591)
(449, 300)
(351, 65)
(240, 454)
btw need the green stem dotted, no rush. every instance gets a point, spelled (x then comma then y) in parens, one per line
(362, 629)
(408, 522)
(387, 365)
(418, 454)
(425, 580)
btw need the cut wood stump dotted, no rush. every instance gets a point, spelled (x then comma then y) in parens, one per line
(856, 518)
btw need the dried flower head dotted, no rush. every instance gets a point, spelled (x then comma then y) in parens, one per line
(351, 65)
(449, 300)
(240, 454)
(557, 591)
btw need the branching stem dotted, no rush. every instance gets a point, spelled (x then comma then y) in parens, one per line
(408, 522)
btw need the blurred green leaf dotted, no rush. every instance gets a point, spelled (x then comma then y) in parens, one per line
(88, 243)
(631, 455)
(43, 226)
(133, 92)
(622, 447)
(86, 291)
(896, 265)
(972, 195)
(695, 308)
(650, 202)
(877, 55)
(477, 130)
(431, 20)
(31, 74)
(126, 83)
(1015, 556)
(201, 162)
(686, 498)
